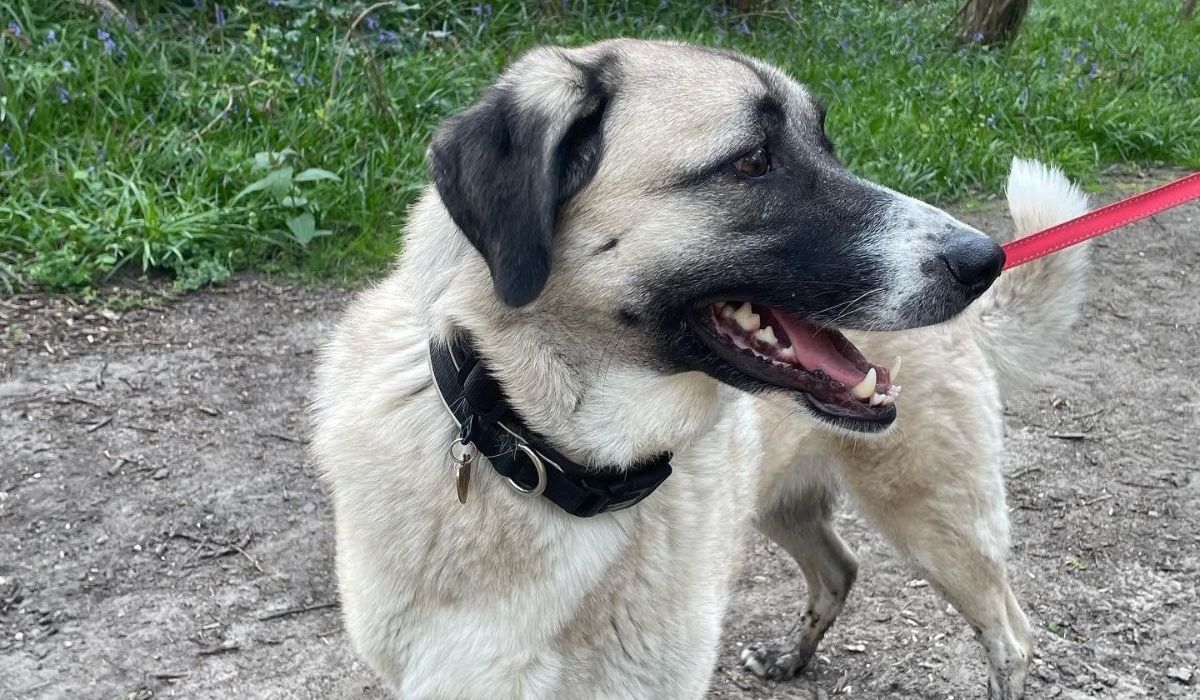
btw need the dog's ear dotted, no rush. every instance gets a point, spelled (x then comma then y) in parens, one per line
(505, 166)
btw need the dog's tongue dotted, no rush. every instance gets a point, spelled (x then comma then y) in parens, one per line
(821, 349)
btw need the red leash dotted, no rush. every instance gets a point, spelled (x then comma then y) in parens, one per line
(1102, 220)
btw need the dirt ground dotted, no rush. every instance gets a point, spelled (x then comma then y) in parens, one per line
(162, 533)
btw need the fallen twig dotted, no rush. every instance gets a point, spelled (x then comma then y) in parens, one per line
(222, 648)
(281, 436)
(96, 426)
(297, 611)
(1069, 436)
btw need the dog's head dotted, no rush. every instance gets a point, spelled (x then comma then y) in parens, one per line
(690, 201)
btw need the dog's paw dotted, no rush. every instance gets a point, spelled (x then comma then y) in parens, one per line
(774, 665)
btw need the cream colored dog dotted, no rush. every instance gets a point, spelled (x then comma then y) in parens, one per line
(653, 247)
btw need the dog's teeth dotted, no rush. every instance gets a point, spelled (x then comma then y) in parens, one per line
(866, 387)
(895, 370)
(877, 399)
(767, 335)
(894, 391)
(887, 400)
(746, 318)
(725, 310)
(788, 352)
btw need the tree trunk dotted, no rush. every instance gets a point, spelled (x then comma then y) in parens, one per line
(992, 21)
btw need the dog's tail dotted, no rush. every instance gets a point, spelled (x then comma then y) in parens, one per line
(1027, 312)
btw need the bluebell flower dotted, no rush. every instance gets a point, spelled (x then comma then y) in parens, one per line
(991, 120)
(273, 3)
(150, 118)
(1080, 59)
(67, 65)
(663, 4)
(219, 15)
(14, 28)
(1095, 71)
(6, 151)
(743, 28)
(51, 37)
(63, 95)
(301, 79)
(109, 44)
(978, 37)
(372, 23)
(845, 44)
(388, 37)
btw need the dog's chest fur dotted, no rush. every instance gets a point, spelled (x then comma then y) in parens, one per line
(540, 603)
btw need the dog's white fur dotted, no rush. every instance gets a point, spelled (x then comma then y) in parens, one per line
(508, 597)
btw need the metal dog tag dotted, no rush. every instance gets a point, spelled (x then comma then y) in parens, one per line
(463, 455)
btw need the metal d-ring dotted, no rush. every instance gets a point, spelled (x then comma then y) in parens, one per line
(538, 466)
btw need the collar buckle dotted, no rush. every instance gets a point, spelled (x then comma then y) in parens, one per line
(488, 427)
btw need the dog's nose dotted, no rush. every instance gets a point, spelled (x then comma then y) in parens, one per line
(974, 259)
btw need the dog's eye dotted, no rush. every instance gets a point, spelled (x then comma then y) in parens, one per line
(756, 163)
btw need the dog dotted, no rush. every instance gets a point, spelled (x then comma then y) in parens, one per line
(655, 255)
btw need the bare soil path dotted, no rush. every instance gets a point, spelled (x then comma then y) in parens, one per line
(162, 533)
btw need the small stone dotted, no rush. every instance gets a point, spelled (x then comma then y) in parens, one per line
(856, 647)
(160, 473)
(1181, 674)
(308, 507)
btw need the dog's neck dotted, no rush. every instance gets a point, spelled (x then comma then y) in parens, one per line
(585, 398)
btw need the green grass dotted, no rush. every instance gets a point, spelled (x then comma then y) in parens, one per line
(126, 149)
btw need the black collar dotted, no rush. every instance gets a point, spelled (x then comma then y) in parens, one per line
(487, 424)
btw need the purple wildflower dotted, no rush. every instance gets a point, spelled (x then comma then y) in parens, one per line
(301, 79)
(67, 65)
(219, 15)
(845, 44)
(388, 37)
(51, 37)
(372, 23)
(6, 151)
(991, 121)
(1095, 71)
(743, 28)
(1080, 59)
(109, 44)
(978, 37)
(63, 95)
(150, 118)
(14, 28)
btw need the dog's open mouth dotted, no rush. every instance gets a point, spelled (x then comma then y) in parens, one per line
(772, 346)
